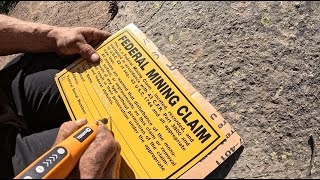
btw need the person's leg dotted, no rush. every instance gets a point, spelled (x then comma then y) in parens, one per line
(35, 93)
(30, 148)
(44, 106)
(29, 85)
(19, 152)
(7, 146)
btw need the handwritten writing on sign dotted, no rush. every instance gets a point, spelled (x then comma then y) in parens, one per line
(150, 112)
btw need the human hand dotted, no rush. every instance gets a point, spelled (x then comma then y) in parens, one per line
(78, 40)
(101, 159)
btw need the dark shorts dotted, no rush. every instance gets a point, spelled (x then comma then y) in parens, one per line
(27, 83)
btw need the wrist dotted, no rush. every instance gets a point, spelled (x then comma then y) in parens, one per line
(40, 38)
(53, 36)
(17, 36)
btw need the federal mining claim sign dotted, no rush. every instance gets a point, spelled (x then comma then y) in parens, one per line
(162, 130)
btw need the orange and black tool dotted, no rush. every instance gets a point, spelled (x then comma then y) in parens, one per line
(59, 161)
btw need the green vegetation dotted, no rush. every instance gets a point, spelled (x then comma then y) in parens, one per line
(6, 6)
(265, 21)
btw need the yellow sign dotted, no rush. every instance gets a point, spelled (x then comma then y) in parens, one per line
(162, 131)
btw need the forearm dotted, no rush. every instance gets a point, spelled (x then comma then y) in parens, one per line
(17, 36)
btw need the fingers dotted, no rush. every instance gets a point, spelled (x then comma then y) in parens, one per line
(79, 40)
(88, 52)
(92, 36)
(67, 128)
(99, 154)
(95, 34)
(112, 171)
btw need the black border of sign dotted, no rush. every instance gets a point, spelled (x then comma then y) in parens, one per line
(126, 31)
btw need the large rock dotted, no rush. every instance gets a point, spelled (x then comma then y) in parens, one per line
(256, 62)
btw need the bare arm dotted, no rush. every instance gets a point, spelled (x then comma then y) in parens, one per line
(17, 36)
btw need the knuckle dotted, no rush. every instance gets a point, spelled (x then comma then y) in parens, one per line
(59, 44)
(73, 40)
(111, 145)
(86, 49)
(61, 47)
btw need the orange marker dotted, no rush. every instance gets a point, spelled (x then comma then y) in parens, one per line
(59, 161)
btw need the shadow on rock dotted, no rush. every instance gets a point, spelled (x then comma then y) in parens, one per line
(223, 170)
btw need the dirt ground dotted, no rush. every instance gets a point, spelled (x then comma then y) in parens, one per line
(258, 63)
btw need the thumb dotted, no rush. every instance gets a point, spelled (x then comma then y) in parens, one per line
(88, 52)
(67, 128)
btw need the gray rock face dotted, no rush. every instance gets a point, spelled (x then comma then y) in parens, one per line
(256, 62)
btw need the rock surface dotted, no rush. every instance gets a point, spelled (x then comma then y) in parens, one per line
(258, 63)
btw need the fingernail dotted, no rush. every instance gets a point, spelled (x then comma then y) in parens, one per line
(81, 121)
(95, 57)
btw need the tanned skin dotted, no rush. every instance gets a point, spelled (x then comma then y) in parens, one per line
(102, 158)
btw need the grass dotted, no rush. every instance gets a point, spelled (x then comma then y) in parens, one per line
(7, 6)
